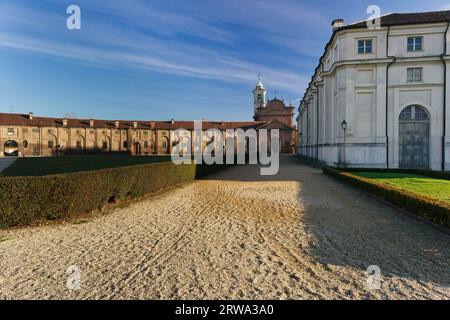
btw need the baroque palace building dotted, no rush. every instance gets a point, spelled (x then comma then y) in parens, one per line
(379, 96)
(27, 135)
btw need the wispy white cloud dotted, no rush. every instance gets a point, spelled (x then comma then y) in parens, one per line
(186, 65)
(147, 37)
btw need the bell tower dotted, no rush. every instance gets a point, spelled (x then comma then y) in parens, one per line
(259, 95)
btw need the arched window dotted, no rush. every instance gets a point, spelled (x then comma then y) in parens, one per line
(11, 144)
(25, 144)
(145, 144)
(414, 113)
(125, 144)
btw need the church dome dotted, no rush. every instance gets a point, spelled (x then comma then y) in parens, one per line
(276, 104)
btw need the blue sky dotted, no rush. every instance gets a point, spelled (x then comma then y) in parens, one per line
(163, 59)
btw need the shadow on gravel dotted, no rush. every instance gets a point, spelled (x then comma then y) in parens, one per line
(349, 229)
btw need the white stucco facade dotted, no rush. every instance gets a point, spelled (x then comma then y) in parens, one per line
(351, 86)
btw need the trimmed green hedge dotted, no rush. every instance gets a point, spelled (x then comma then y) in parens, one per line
(24, 200)
(436, 211)
(443, 175)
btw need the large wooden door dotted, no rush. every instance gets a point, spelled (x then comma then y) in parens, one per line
(414, 138)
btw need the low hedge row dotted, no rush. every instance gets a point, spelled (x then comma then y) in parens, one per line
(436, 211)
(24, 200)
(443, 175)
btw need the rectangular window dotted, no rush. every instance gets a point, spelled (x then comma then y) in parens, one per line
(164, 145)
(24, 130)
(415, 74)
(105, 145)
(50, 131)
(365, 46)
(415, 43)
(10, 131)
(51, 144)
(35, 130)
(78, 144)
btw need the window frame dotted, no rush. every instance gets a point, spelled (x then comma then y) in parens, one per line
(414, 75)
(365, 46)
(414, 44)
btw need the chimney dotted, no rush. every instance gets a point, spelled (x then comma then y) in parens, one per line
(30, 115)
(172, 121)
(338, 23)
(135, 124)
(65, 122)
(116, 124)
(91, 123)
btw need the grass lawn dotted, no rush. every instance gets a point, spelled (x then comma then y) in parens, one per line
(431, 187)
(66, 164)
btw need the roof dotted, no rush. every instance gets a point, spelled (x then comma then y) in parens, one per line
(393, 19)
(399, 19)
(15, 119)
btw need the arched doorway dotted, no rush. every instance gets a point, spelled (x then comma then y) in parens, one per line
(11, 148)
(414, 138)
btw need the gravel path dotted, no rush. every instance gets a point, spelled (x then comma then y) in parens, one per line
(235, 236)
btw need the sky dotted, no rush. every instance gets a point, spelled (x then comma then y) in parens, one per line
(166, 59)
